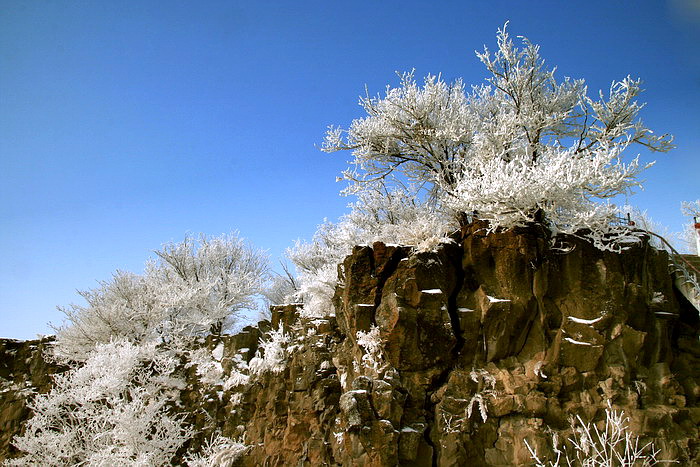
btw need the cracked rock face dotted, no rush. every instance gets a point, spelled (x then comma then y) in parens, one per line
(23, 372)
(486, 342)
(497, 338)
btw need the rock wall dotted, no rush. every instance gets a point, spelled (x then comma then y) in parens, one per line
(527, 333)
(487, 342)
(24, 371)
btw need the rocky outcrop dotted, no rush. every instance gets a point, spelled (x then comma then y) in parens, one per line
(497, 337)
(24, 371)
(487, 342)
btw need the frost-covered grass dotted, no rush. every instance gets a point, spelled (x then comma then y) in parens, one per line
(219, 451)
(614, 445)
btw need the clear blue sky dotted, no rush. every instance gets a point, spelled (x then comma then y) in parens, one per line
(126, 124)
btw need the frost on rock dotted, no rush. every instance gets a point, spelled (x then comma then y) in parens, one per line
(495, 300)
(218, 352)
(584, 321)
(537, 370)
(575, 342)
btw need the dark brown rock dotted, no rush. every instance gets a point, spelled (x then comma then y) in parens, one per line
(488, 341)
(24, 371)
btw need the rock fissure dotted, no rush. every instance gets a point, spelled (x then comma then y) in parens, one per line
(383, 273)
(433, 449)
(452, 305)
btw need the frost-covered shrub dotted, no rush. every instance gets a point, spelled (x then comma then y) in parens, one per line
(207, 364)
(525, 147)
(517, 192)
(236, 378)
(111, 410)
(373, 349)
(487, 389)
(218, 452)
(275, 353)
(398, 217)
(210, 371)
(395, 217)
(317, 262)
(589, 446)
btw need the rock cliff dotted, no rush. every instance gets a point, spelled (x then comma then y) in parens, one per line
(24, 371)
(488, 341)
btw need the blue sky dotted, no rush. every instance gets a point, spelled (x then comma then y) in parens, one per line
(124, 125)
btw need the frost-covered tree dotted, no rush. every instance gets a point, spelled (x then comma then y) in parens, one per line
(691, 208)
(124, 308)
(193, 287)
(123, 347)
(522, 148)
(280, 290)
(203, 284)
(112, 410)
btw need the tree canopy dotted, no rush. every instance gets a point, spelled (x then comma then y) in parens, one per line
(523, 147)
(192, 288)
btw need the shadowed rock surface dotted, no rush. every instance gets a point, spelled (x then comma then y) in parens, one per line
(24, 371)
